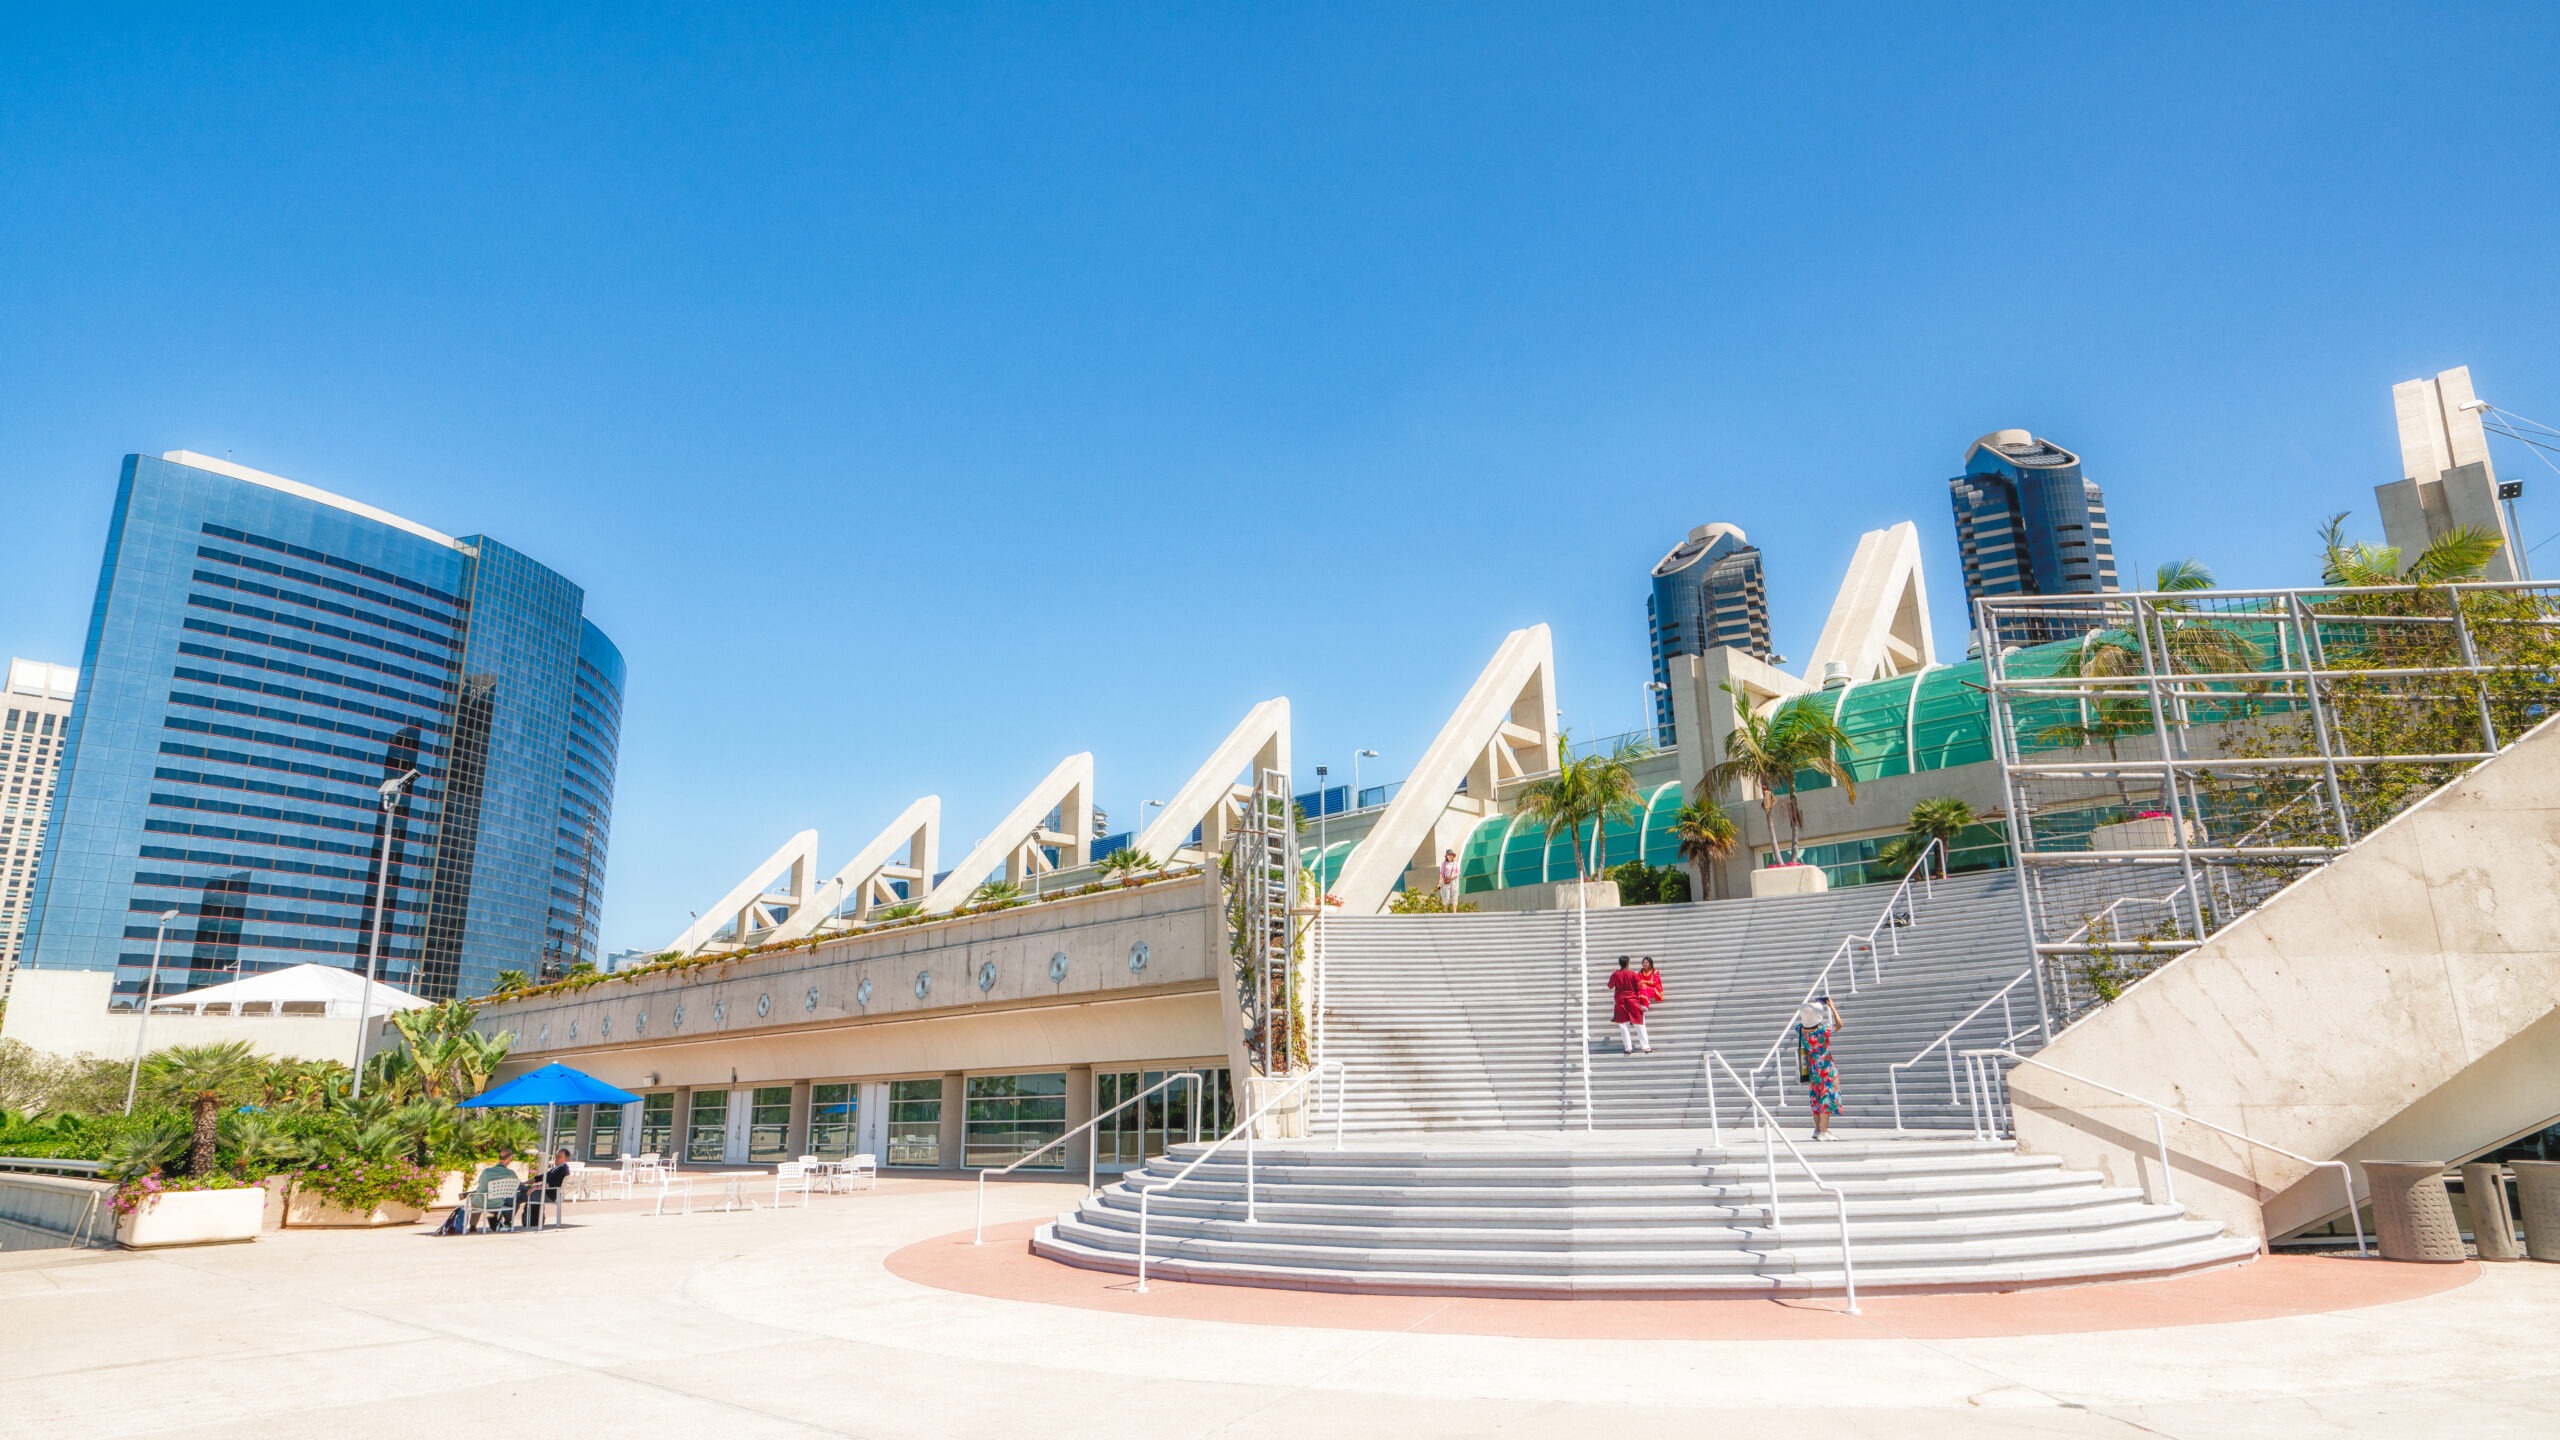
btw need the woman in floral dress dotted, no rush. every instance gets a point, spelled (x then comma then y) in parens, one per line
(1816, 1023)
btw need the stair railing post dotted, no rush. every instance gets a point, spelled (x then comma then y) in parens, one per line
(1769, 1154)
(1143, 1197)
(1249, 1216)
(2160, 1133)
(1715, 1117)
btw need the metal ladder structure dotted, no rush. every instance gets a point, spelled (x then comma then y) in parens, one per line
(1265, 877)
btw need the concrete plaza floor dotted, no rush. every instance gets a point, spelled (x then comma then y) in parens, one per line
(790, 1323)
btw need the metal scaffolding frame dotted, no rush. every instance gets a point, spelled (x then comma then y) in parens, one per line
(1264, 872)
(2182, 757)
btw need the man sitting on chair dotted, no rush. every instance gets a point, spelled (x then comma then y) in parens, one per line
(543, 1190)
(499, 1169)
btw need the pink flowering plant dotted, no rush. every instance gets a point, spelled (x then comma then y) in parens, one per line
(137, 1194)
(362, 1185)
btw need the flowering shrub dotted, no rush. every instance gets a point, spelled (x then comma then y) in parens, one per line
(2150, 814)
(134, 1195)
(365, 1185)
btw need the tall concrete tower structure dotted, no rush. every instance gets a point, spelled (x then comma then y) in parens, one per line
(2447, 483)
(2028, 522)
(35, 724)
(1708, 594)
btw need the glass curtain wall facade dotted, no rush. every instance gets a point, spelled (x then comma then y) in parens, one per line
(2029, 523)
(1708, 594)
(261, 658)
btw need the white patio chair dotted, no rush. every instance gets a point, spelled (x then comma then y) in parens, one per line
(494, 1203)
(791, 1175)
(862, 1168)
(674, 1185)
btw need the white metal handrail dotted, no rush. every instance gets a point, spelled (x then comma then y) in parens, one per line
(2009, 1033)
(1899, 902)
(1981, 1072)
(1771, 1137)
(1146, 1193)
(1176, 1078)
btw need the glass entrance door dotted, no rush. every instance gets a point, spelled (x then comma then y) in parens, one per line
(1164, 1118)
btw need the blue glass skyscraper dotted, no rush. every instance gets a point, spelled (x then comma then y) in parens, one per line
(262, 657)
(1708, 593)
(2028, 522)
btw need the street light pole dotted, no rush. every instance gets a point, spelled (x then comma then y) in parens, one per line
(1653, 727)
(1321, 807)
(1355, 774)
(150, 990)
(381, 922)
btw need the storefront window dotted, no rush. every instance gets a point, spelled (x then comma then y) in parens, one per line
(1162, 1119)
(658, 1124)
(1011, 1116)
(706, 1130)
(606, 1141)
(915, 1122)
(769, 1125)
(832, 1113)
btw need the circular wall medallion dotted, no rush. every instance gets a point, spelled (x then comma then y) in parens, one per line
(641, 1025)
(573, 1029)
(543, 1038)
(719, 1011)
(677, 1020)
(764, 1004)
(810, 1001)
(924, 983)
(604, 1028)
(862, 993)
(1137, 956)
(987, 976)
(1058, 967)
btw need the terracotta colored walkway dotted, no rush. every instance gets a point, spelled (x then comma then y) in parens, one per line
(2272, 1286)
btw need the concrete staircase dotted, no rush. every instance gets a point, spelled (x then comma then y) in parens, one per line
(1660, 1213)
(1470, 1022)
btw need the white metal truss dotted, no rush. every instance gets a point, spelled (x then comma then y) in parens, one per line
(753, 905)
(867, 882)
(1265, 874)
(1503, 730)
(1212, 798)
(1879, 622)
(1021, 842)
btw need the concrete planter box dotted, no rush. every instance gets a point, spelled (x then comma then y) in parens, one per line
(305, 1210)
(2155, 833)
(1789, 880)
(193, 1217)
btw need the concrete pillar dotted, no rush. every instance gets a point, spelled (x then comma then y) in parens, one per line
(955, 1110)
(795, 1140)
(1079, 1110)
(682, 1123)
(2538, 1196)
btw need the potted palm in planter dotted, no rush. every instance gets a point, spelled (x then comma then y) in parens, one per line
(202, 1205)
(1769, 751)
(1130, 866)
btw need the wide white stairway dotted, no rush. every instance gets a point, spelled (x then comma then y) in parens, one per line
(1631, 1213)
(1475, 1021)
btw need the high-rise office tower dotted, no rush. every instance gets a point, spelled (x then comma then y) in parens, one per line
(35, 721)
(2028, 522)
(1708, 594)
(263, 659)
(2447, 481)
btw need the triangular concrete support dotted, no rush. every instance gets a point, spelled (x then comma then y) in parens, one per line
(866, 879)
(1503, 730)
(752, 904)
(1209, 799)
(1021, 840)
(1879, 622)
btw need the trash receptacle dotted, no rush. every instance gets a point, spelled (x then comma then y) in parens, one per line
(2412, 1214)
(2538, 1196)
(2493, 1225)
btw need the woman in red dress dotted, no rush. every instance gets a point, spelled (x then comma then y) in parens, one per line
(1626, 986)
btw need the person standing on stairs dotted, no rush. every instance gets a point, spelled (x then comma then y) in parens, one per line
(1652, 982)
(1816, 1023)
(1626, 987)
(1449, 880)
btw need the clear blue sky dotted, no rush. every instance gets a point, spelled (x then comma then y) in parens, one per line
(922, 395)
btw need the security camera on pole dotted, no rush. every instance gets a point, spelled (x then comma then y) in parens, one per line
(381, 921)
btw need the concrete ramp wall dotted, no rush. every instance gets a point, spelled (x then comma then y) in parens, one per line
(2399, 1004)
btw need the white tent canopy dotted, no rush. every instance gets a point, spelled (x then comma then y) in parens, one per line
(319, 990)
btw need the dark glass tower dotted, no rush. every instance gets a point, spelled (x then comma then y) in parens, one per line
(2028, 522)
(1708, 593)
(262, 656)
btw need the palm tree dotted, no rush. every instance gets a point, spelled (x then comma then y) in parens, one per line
(2461, 553)
(996, 895)
(1590, 790)
(1770, 750)
(201, 1073)
(1127, 864)
(2176, 577)
(1941, 819)
(509, 982)
(1706, 834)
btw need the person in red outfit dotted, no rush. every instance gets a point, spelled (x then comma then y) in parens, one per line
(1626, 987)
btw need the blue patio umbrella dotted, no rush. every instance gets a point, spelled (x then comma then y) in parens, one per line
(552, 1085)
